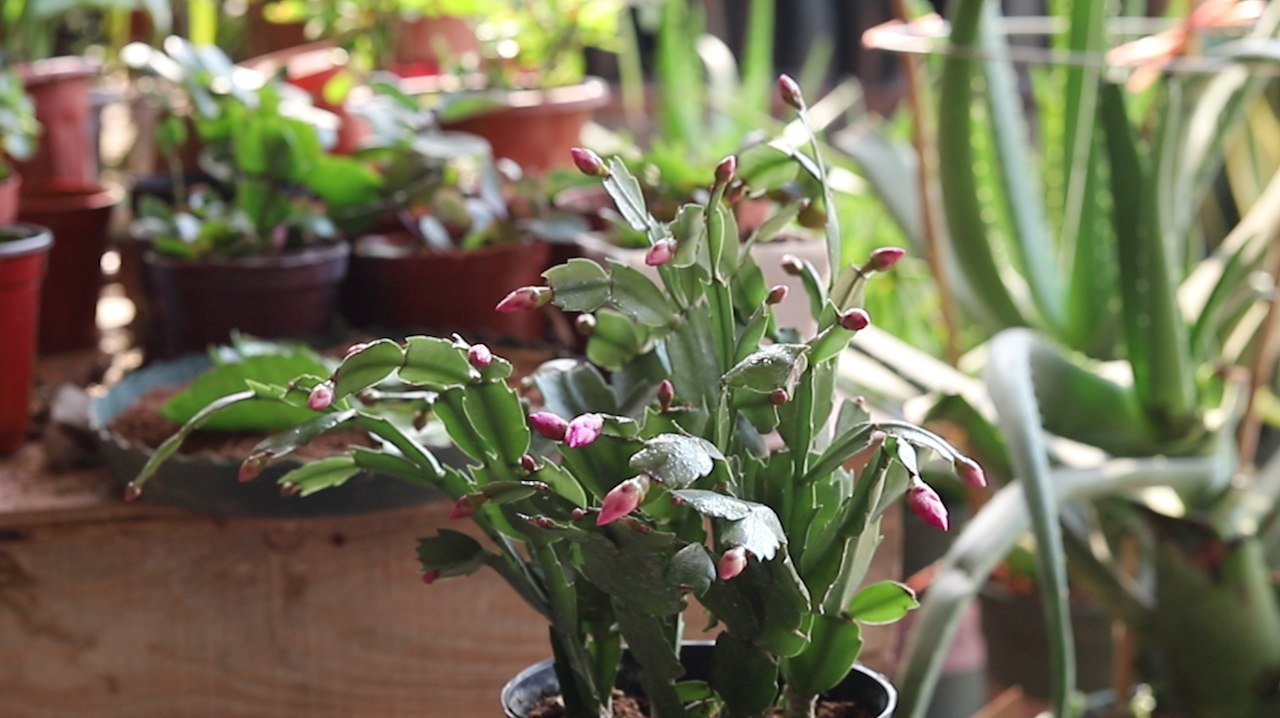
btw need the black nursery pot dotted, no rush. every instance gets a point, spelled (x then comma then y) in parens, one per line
(870, 690)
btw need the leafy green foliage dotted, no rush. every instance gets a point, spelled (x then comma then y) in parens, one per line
(231, 377)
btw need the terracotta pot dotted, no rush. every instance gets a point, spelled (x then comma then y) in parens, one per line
(198, 303)
(9, 198)
(78, 214)
(59, 87)
(537, 128)
(418, 42)
(24, 250)
(455, 290)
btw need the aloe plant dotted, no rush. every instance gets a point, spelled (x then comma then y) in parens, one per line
(1095, 267)
(645, 476)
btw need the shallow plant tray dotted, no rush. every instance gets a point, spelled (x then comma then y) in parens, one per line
(207, 484)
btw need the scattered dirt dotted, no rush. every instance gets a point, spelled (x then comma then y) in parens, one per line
(142, 423)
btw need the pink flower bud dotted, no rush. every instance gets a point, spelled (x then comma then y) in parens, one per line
(549, 425)
(925, 503)
(479, 356)
(321, 397)
(778, 397)
(429, 577)
(660, 252)
(585, 324)
(528, 463)
(583, 430)
(725, 171)
(777, 294)
(732, 563)
(289, 488)
(791, 264)
(884, 258)
(132, 491)
(577, 514)
(524, 299)
(589, 162)
(666, 394)
(790, 91)
(467, 506)
(855, 319)
(623, 499)
(969, 471)
(253, 466)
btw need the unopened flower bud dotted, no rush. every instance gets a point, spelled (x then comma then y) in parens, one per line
(666, 394)
(524, 299)
(589, 162)
(132, 491)
(320, 397)
(791, 264)
(790, 91)
(577, 514)
(290, 488)
(622, 499)
(884, 258)
(528, 463)
(479, 356)
(778, 397)
(585, 324)
(969, 471)
(925, 503)
(660, 253)
(584, 429)
(732, 563)
(549, 425)
(253, 466)
(725, 171)
(777, 294)
(855, 319)
(467, 506)
(429, 577)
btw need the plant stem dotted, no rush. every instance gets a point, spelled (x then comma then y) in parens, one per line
(796, 705)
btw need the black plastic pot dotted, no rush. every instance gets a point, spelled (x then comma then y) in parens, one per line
(208, 485)
(864, 686)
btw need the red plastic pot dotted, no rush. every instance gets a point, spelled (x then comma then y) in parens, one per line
(78, 214)
(9, 198)
(24, 249)
(59, 87)
(454, 290)
(199, 303)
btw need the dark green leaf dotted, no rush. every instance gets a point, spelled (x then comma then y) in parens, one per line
(580, 285)
(882, 602)
(676, 460)
(834, 645)
(367, 366)
(637, 295)
(322, 474)
(436, 363)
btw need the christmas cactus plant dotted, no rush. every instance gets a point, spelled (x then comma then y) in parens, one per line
(700, 453)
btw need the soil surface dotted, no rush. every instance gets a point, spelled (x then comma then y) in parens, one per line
(142, 423)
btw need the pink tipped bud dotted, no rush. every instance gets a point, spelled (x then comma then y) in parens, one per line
(732, 563)
(589, 162)
(467, 506)
(969, 471)
(777, 294)
(622, 499)
(479, 356)
(549, 425)
(290, 488)
(585, 324)
(660, 253)
(725, 171)
(524, 299)
(583, 430)
(791, 264)
(132, 491)
(884, 258)
(790, 91)
(925, 503)
(321, 397)
(666, 394)
(778, 397)
(855, 319)
(429, 577)
(528, 463)
(253, 466)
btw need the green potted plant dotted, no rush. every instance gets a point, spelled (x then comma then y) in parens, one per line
(616, 500)
(212, 262)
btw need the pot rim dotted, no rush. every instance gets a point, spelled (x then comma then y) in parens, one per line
(592, 92)
(57, 196)
(39, 239)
